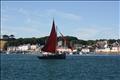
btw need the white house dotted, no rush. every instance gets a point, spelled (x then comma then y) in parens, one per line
(33, 47)
(12, 48)
(103, 50)
(24, 47)
(60, 43)
(115, 49)
(85, 50)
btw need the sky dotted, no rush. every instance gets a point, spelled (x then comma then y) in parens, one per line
(87, 20)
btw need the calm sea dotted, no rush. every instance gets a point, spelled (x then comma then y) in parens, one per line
(29, 67)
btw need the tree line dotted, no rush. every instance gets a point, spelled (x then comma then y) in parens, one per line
(42, 41)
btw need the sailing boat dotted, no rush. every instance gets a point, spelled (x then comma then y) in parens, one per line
(49, 50)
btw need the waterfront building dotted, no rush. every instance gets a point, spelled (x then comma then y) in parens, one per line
(60, 43)
(102, 44)
(33, 47)
(85, 50)
(102, 50)
(115, 49)
(2, 45)
(24, 47)
(11, 48)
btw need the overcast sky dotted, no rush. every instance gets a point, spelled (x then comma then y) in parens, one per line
(82, 19)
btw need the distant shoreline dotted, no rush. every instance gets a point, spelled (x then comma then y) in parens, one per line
(84, 54)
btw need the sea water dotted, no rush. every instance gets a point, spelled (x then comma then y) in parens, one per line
(29, 67)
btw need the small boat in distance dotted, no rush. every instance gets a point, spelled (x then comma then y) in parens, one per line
(49, 51)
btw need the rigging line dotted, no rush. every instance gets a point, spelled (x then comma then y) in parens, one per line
(65, 39)
(59, 31)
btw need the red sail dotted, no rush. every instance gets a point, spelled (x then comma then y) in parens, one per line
(67, 42)
(51, 44)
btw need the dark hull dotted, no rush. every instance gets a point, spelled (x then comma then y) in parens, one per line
(57, 56)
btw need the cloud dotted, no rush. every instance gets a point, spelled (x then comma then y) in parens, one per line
(66, 15)
(34, 24)
(20, 31)
(4, 17)
(119, 30)
(85, 33)
(23, 11)
(7, 30)
(108, 32)
(96, 33)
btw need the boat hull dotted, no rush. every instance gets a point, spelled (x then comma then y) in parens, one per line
(57, 56)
